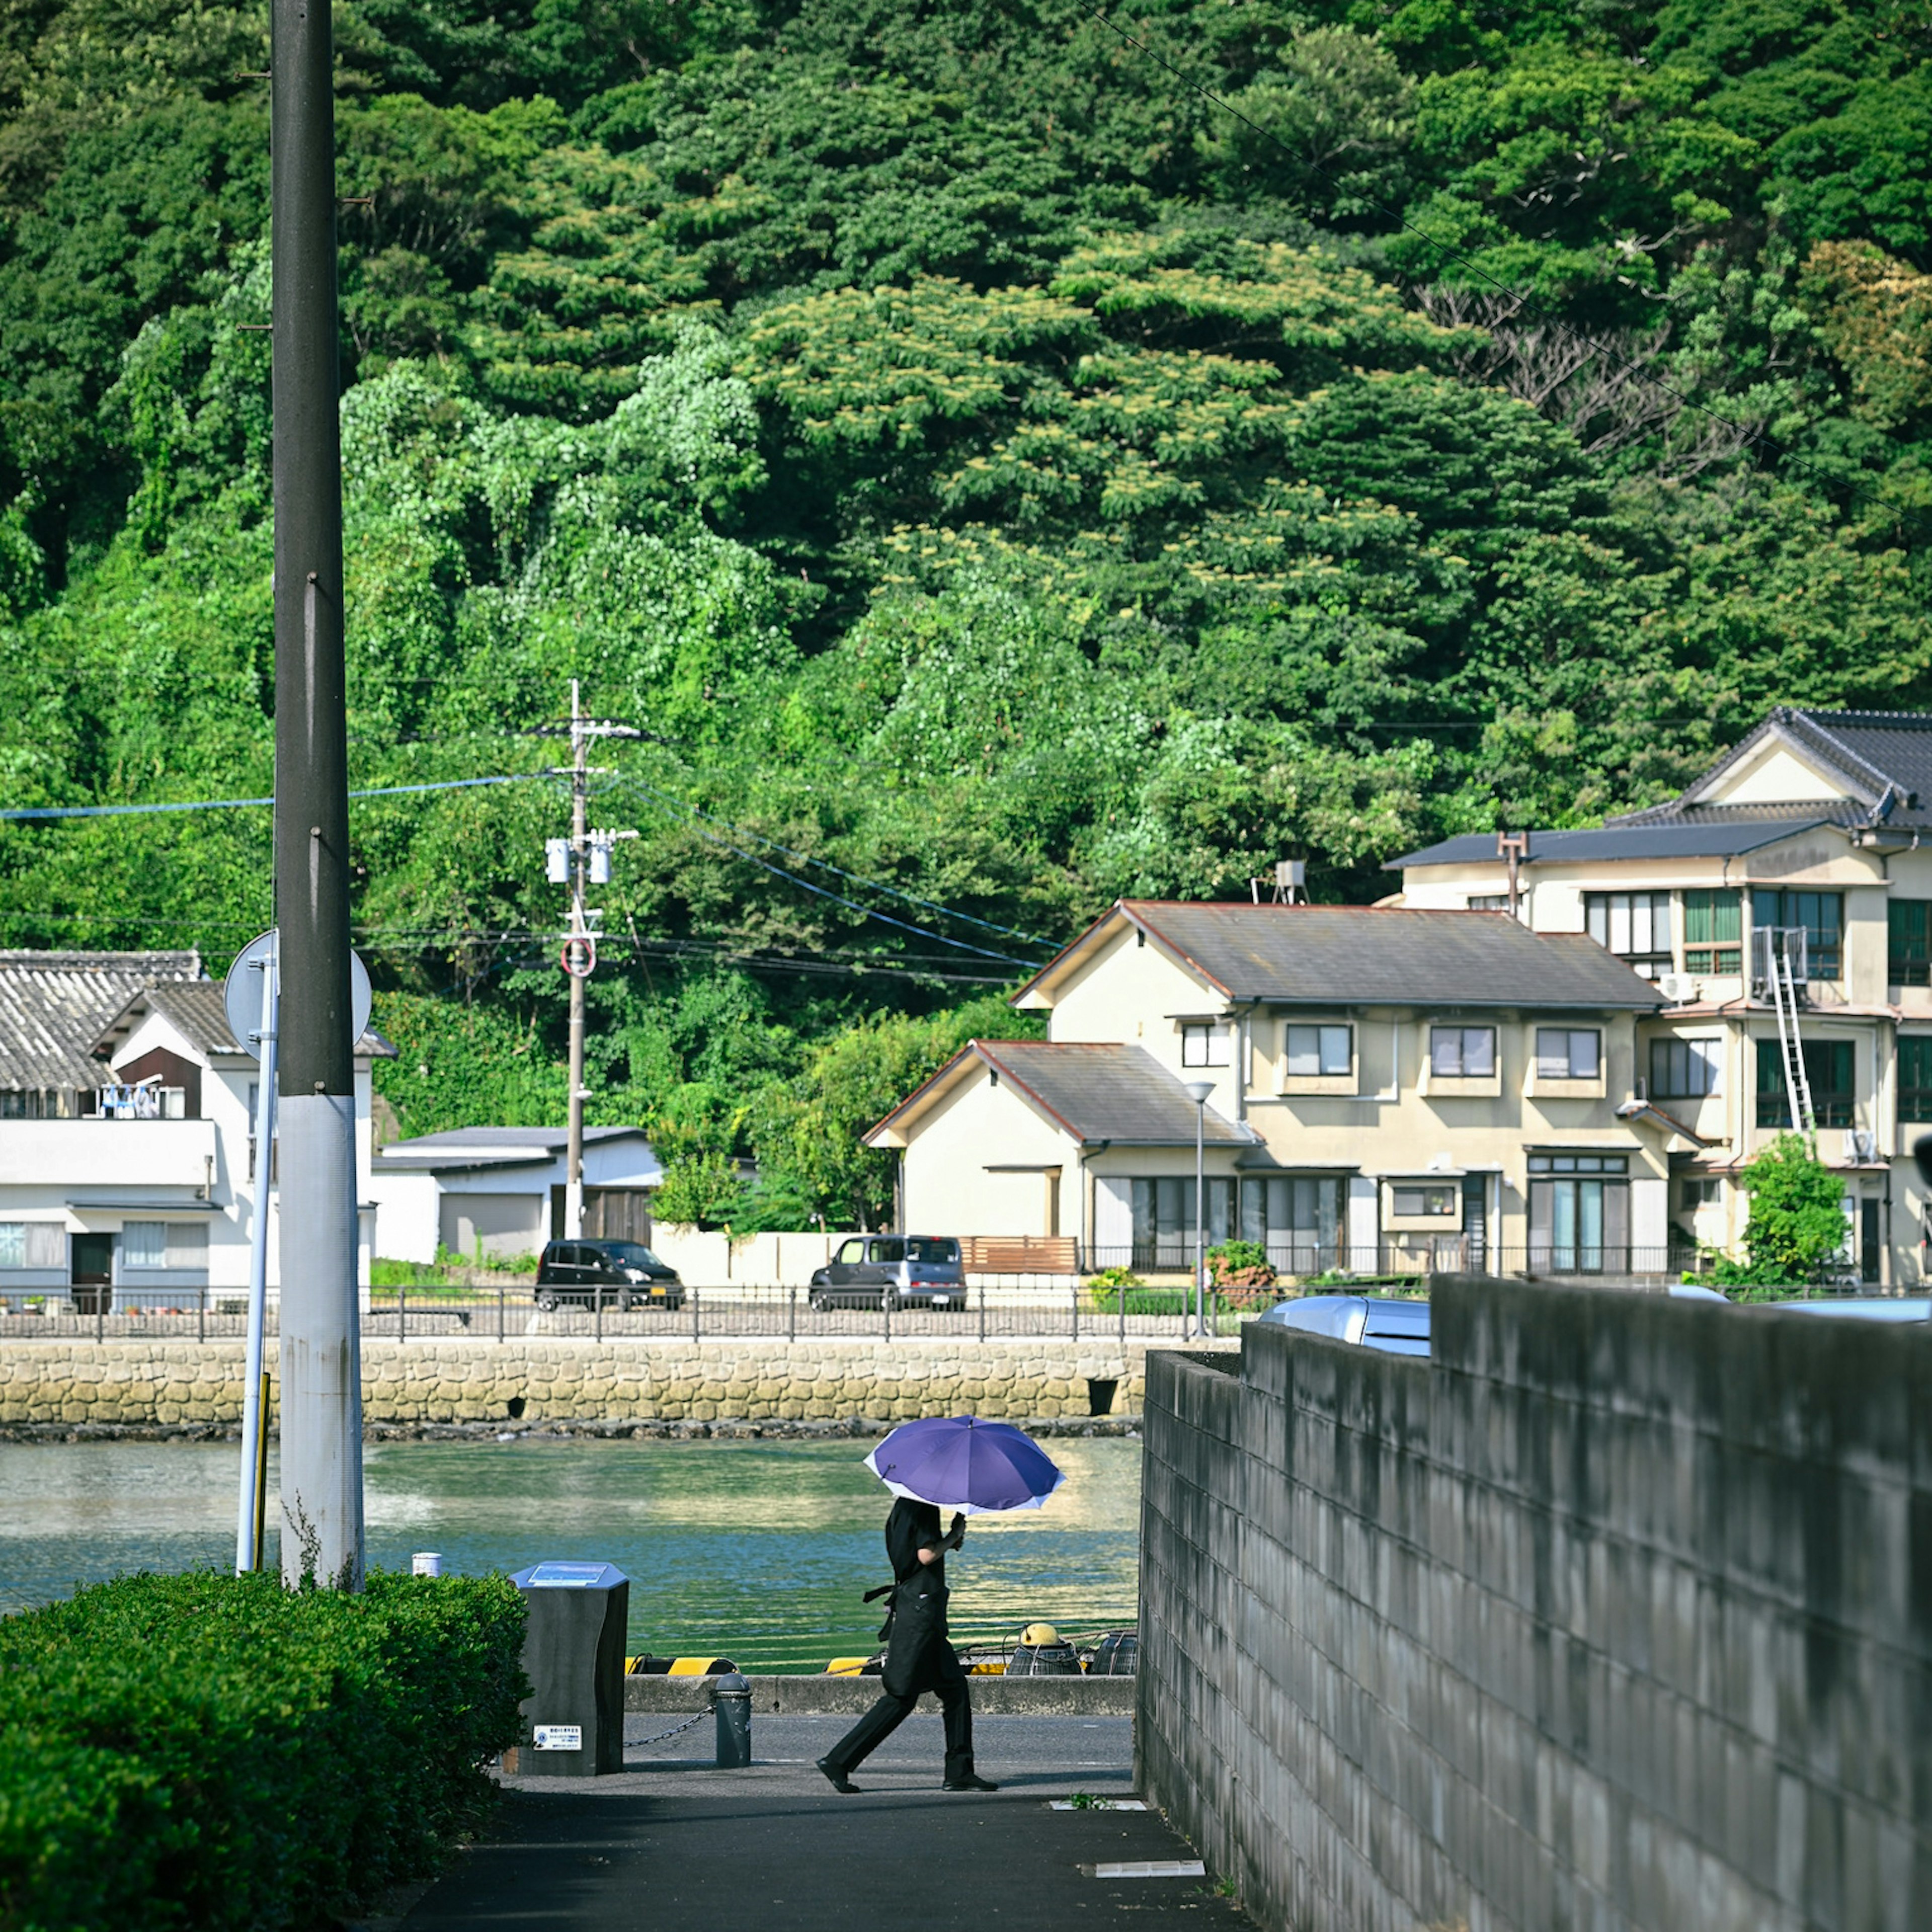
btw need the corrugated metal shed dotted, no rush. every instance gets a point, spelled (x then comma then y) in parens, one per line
(54, 1007)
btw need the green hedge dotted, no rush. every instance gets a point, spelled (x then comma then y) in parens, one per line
(214, 1751)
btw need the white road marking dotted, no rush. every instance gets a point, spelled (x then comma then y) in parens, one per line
(1150, 1868)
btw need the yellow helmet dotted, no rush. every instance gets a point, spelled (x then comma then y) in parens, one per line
(1038, 1636)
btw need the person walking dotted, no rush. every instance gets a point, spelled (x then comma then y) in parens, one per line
(918, 1656)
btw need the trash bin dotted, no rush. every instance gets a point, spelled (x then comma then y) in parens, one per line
(574, 1657)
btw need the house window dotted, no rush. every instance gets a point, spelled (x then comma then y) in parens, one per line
(144, 1244)
(1696, 1190)
(1489, 902)
(1569, 1053)
(1316, 1052)
(1204, 1043)
(1636, 926)
(1915, 1076)
(33, 1244)
(1298, 1218)
(1909, 942)
(1407, 1199)
(1580, 1212)
(1828, 1072)
(1821, 916)
(1713, 932)
(1683, 1070)
(1462, 1053)
(1163, 1211)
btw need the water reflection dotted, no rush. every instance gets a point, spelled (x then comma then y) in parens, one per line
(759, 1550)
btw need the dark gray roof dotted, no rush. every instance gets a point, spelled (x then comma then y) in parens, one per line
(54, 1007)
(1383, 955)
(1106, 1093)
(1883, 758)
(1651, 839)
(199, 1013)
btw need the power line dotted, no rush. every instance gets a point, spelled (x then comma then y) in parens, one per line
(874, 885)
(1523, 301)
(839, 898)
(242, 804)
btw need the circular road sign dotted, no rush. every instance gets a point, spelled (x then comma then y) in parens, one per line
(241, 993)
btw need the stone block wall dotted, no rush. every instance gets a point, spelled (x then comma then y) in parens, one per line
(1616, 1613)
(475, 1380)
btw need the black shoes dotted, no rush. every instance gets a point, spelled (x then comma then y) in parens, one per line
(840, 1782)
(972, 1781)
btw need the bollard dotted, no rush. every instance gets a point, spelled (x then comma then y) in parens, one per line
(731, 1698)
(426, 1563)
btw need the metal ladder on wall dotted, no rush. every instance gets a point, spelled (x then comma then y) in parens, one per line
(1784, 1003)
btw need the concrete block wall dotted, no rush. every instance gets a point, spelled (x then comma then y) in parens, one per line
(475, 1379)
(1616, 1614)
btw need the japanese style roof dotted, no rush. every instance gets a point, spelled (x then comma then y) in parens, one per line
(196, 1009)
(1702, 836)
(1120, 1094)
(1336, 956)
(54, 1007)
(1883, 759)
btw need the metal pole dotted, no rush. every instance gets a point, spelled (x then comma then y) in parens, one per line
(254, 1424)
(983, 1311)
(573, 1165)
(694, 1314)
(402, 1310)
(499, 1308)
(791, 1315)
(321, 1353)
(1075, 1335)
(1200, 1216)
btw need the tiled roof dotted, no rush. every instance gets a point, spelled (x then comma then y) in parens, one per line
(1698, 835)
(1364, 956)
(1120, 1094)
(54, 1007)
(196, 1010)
(1883, 759)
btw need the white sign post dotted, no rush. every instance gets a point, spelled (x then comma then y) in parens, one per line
(251, 993)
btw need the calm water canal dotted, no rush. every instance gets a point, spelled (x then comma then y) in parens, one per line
(759, 1551)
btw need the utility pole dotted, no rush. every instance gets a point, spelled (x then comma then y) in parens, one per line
(584, 946)
(321, 1353)
(583, 860)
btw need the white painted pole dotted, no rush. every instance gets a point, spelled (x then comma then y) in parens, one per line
(247, 1556)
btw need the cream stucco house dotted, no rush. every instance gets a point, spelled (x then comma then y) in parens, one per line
(1388, 1087)
(1809, 846)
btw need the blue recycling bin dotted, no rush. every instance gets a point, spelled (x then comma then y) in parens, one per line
(574, 1657)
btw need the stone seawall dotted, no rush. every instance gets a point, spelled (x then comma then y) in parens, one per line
(526, 1382)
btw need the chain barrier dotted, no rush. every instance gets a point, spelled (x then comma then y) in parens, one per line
(659, 1737)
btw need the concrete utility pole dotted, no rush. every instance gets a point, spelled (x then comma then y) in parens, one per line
(580, 957)
(321, 1353)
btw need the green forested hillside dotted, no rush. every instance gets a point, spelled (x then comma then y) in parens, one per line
(999, 476)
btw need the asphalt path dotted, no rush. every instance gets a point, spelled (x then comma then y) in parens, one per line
(676, 1845)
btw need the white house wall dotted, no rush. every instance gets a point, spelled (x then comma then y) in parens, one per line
(960, 1175)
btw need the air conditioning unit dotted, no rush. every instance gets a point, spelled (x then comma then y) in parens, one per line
(1861, 1144)
(1679, 989)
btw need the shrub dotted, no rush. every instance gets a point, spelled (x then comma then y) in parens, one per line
(214, 1751)
(1796, 1226)
(1240, 1267)
(1115, 1277)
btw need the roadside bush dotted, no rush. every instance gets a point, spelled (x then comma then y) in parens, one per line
(214, 1751)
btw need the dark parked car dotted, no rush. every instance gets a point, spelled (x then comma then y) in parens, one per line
(626, 1273)
(895, 1271)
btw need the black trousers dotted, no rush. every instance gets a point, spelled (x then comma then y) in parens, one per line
(918, 1658)
(890, 1712)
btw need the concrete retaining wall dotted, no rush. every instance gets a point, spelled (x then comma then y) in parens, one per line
(469, 1380)
(1617, 1613)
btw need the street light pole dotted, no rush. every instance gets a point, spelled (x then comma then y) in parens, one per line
(321, 1352)
(1198, 1091)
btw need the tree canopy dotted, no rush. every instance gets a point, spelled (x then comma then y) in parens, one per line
(1004, 456)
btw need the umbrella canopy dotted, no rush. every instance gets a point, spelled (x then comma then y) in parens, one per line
(962, 1463)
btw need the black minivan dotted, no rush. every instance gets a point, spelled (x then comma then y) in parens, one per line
(624, 1274)
(907, 1270)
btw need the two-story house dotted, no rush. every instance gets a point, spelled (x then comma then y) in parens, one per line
(1801, 862)
(1381, 1088)
(129, 1177)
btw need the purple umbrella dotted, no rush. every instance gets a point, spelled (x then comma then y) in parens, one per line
(962, 1463)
